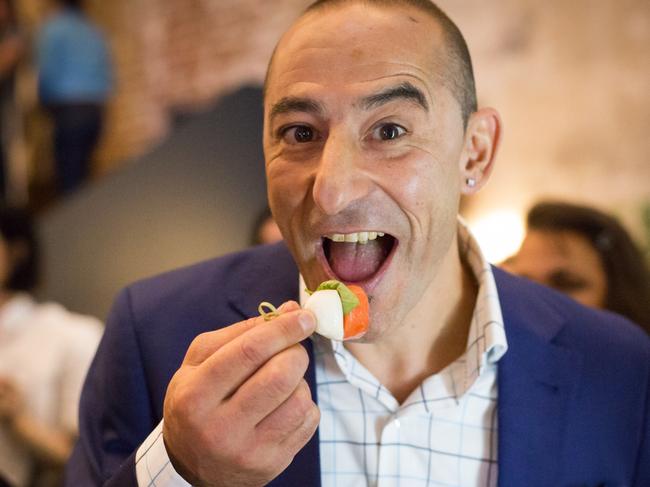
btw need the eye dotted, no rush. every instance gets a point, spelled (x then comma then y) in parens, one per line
(298, 134)
(388, 131)
(566, 282)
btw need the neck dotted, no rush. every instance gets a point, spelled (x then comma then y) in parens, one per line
(433, 335)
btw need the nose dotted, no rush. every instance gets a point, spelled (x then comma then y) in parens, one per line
(340, 178)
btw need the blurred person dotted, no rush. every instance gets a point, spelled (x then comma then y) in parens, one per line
(45, 351)
(467, 376)
(586, 254)
(12, 47)
(265, 229)
(74, 83)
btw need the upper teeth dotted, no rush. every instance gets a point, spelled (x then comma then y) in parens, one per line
(360, 237)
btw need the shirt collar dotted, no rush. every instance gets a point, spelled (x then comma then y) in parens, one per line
(487, 319)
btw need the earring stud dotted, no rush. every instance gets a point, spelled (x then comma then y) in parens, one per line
(471, 182)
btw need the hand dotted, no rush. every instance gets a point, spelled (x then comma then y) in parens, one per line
(11, 400)
(238, 409)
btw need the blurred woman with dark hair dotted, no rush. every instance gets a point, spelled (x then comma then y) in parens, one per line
(45, 351)
(588, 255)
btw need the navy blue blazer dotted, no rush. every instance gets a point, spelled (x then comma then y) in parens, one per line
(574, 386)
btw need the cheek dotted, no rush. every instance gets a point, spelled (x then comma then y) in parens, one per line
(422, 186)
(286, 187)
(599, 290)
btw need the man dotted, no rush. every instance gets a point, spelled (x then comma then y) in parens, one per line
(74, 83)
(370, 129)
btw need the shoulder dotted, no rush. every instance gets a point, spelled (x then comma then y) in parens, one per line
(157, 318)
(210, 282)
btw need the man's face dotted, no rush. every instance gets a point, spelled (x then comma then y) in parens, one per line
(361, 136)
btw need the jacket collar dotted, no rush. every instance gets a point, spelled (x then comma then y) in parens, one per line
(535, 383)
(264, 273)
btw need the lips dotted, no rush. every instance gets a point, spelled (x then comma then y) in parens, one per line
(358, 257)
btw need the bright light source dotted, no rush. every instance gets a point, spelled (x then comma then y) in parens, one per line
(499, 234)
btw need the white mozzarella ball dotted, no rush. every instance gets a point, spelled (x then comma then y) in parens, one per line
(326, 306)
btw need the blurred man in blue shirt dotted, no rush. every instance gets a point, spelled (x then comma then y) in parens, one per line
(75, 81)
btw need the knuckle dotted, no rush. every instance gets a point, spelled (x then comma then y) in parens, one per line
(183, 400)
(314, 416)
(312, 419)
(286, 370)
(197, 345)
(280, 380)
(297, 359)
(241, 458)
(303, 402)
(248, 459)
(250, 350)
(204, 437)
(297, 408)
(304, 432)
(251, 322)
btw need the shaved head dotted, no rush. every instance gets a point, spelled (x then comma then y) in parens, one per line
(455, 60)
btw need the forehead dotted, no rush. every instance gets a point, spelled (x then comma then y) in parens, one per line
(549, 249)
(356, 43)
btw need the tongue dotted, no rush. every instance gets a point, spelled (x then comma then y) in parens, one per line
(355, 262)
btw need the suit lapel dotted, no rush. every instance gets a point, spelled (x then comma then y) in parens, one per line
(273, 277)
(535, 381)
(305, 468)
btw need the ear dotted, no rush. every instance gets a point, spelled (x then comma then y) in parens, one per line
(482, 139)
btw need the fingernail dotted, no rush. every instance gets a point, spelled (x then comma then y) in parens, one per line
(307, 321)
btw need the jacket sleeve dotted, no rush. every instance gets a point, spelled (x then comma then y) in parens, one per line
(115, 413)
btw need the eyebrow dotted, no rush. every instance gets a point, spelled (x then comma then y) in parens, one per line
(404, 91)
(292, 104)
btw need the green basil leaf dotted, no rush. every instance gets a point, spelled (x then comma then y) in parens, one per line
(349, 300)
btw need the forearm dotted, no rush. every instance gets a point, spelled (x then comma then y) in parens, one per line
(52, 445)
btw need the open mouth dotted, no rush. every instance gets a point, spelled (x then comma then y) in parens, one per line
(358, 257)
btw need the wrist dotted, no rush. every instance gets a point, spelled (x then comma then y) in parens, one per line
(178, 466)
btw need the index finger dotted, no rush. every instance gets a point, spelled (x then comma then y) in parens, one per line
(229, 367)
(205, 344)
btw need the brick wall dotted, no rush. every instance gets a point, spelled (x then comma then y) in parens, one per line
(181, 55)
